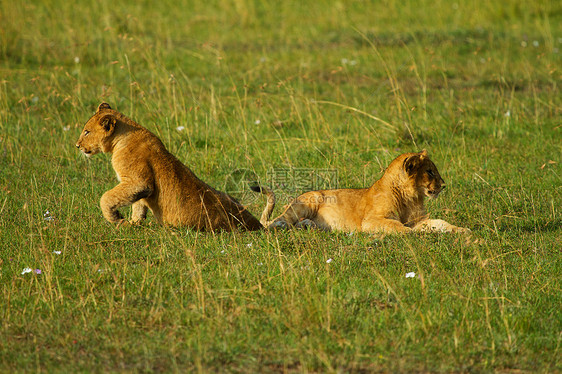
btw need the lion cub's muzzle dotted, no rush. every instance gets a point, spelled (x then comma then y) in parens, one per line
(84, 151)
(435, 191)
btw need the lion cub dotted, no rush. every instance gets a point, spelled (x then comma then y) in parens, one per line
(152, 178)
(394, 203)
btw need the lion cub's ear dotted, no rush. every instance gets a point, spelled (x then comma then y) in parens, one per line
(423, 154)
(413, 162)
(103, 106)
(108, 123)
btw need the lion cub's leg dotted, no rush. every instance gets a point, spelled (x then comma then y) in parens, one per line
(306, 224)
(386, 225)
(139, 211)
(293, 214)
(438, 225)
(123, 194)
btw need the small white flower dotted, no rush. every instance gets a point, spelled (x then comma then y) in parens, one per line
(344, 61)
(223, 251)
(507, 114)
(352, 62)
(26, 270)
(257, 122)
(76, 60)
(535, 43)
(57, 252)
(35, 99)
(47, 216)
(260, 263)
(66, 128)
(180, 128)
(523, 44)
(329, 260)
(249, 245)
(410, 275)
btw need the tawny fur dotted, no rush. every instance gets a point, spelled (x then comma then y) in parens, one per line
(394, 203)
(152, 178)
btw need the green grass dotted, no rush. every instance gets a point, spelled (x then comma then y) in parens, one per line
(261, 85)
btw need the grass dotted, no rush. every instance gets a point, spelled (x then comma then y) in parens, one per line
(344, 86)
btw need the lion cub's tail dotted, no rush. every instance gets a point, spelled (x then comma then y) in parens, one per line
(268, 206)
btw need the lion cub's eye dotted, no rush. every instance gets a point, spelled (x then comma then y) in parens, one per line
(430, 173)
(86, 132)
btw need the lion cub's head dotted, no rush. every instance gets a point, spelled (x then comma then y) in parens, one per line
(424, 174)
(95, 135)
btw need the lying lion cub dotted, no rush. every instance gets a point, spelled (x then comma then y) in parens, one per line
(152, 178)
(394, 203)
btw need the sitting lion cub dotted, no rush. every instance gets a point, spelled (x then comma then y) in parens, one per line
(394, 203)
(152, 178)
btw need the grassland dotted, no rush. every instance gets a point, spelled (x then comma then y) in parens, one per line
(339, 85)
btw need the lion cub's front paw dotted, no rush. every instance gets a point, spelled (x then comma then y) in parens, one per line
(438, 225)
(461, 230)
(136, 222)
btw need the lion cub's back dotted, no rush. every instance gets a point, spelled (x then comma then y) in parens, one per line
(176, 188)
(185, 200)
